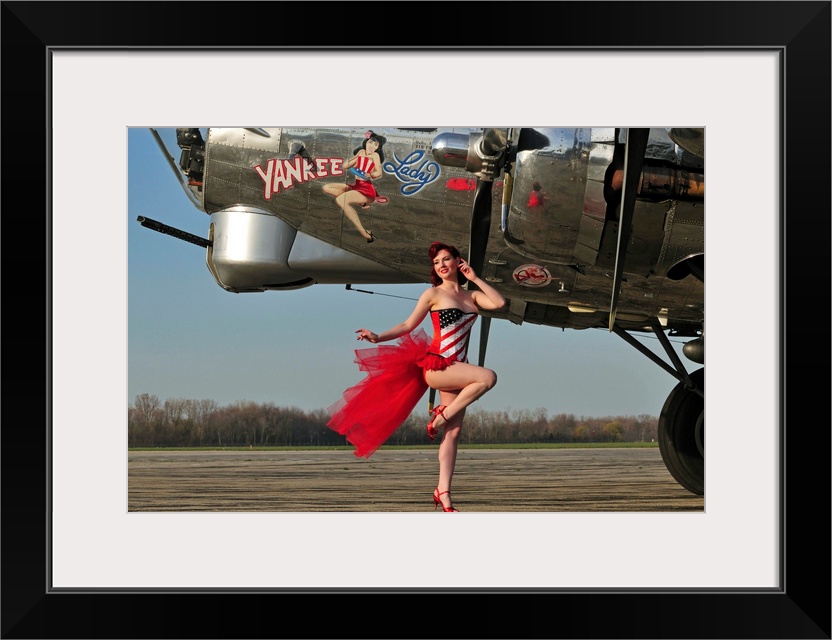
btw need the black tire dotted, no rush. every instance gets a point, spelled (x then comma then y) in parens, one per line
(682, 434)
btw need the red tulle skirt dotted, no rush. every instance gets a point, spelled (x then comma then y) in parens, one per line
(369, 412)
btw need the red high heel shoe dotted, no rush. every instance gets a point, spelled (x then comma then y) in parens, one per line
(438, 411)
(437, 501)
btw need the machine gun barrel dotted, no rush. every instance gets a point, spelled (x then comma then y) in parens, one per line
(172, 231)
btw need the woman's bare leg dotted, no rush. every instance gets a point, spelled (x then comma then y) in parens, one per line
(345, 201)
(448, 448)
(471, 382)
(459, 385)
(334, 189)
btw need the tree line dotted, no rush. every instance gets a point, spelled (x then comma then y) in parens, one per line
(204, 423)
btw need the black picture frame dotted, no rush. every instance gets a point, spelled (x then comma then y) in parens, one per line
(799, 609)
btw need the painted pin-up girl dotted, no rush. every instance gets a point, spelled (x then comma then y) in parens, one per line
(365, 165)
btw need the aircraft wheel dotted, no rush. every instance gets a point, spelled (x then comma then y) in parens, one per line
(682, 434)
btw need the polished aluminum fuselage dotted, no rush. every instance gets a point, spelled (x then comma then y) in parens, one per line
(552, 237)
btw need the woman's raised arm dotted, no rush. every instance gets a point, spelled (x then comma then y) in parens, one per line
(487, 297)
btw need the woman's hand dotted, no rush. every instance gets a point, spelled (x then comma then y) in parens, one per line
(466, 270)
(487, 297)
(369, 336)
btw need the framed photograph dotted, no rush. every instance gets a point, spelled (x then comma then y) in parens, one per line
(78, 76)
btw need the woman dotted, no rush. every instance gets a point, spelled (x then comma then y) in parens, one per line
(399, 375)
(366, 165)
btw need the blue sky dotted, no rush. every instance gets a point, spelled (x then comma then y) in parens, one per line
(189, 338)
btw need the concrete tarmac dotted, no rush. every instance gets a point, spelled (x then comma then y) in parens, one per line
(402, 480)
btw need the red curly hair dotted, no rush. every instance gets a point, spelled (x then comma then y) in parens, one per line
(433, 250)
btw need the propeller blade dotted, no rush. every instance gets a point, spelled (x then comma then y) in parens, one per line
(480, 225)
(480, 230)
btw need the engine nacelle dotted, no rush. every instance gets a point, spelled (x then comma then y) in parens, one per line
(566, 194)
(480, 153)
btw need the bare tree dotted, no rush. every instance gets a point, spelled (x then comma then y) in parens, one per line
(147, 415)
(180, 422)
